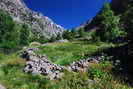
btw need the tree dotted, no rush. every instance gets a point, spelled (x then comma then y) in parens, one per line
(6, 26)
(8, 32)
(127, 21)
(52, 39)
(81, 32)
(59, 36)
(110, 28)
(74, 33)
(67, 35)
(24, 35)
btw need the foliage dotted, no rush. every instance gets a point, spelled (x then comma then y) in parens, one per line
(67, 35)
(59, 36)
(95, 73)
(34, 37)
(12, 35)
(81, 32)
(95, 38)
(127, 21)
(74, 33)
(24, 35)
(52, 39)
(9, 37)
(110, 29)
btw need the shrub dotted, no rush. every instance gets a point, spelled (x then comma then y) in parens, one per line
(95, 73)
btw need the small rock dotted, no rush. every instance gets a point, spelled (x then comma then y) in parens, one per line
(2, 87)
(62, 41)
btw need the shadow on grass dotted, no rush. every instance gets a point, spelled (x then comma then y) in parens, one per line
(126, 65)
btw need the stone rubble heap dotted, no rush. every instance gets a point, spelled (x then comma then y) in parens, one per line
(39, 64)
(83, 64)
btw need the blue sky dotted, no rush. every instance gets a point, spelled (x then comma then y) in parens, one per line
(67, 13)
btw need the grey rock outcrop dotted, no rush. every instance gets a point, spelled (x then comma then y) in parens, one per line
(41, 25)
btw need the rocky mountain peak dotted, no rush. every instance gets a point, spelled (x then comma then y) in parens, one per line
(17, 1)
(39, 23)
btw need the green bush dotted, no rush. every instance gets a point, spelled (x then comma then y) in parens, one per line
(95, 73)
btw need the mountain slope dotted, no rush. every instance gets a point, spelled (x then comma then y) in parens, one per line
(40, 24)
(118, 6)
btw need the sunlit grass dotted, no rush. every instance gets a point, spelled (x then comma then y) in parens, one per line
(65, 53)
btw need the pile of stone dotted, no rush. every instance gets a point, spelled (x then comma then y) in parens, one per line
(83, 64)
(38, 64)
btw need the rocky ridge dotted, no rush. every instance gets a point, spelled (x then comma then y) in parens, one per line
(39, 64)
(41, 25)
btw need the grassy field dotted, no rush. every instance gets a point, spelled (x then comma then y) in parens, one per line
(12, 76)
(66, 53)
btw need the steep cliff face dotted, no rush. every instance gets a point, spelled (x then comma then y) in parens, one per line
(40, 24)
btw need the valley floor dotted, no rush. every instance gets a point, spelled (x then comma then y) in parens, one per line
(99, 76)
